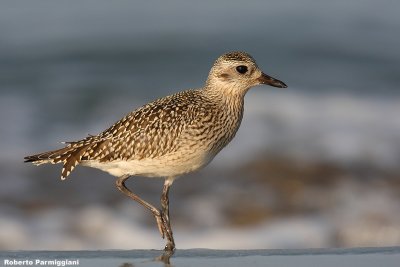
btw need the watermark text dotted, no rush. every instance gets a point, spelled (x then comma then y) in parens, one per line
(41, 262)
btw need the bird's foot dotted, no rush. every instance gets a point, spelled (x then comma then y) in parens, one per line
(165, 257)
(169, 247)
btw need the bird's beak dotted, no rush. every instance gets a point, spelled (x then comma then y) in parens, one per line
(265, 79)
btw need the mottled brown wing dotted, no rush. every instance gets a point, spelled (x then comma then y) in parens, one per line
(148, 132)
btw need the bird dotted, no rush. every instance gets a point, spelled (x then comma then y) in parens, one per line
(169, 137)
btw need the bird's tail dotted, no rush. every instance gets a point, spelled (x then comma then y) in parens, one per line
(70, 156)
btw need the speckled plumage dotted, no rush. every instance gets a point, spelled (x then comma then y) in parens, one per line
(171, 136)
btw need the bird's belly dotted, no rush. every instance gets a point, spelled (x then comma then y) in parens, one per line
(165, 166)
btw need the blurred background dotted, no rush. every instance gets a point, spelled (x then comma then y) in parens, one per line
(313, 165)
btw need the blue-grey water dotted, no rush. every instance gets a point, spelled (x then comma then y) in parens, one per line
(72, 69)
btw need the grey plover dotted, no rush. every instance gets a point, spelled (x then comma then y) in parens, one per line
(169, 137)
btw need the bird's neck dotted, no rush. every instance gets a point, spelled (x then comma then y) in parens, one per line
(228, 96)
(229, 100)
(230, 113)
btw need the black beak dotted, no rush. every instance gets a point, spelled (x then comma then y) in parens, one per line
(265, 79)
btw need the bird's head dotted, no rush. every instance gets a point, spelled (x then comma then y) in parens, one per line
(237, 72)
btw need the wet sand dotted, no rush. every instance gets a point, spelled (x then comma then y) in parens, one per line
(384, 256)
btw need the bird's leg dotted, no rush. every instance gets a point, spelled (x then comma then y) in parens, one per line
(170, 246)
(120, 183)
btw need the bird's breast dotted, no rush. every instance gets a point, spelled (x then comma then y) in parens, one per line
(212, 130)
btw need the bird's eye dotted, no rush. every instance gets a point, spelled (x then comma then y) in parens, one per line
(241, 69)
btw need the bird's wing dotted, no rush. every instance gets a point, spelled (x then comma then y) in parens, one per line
(148, 132)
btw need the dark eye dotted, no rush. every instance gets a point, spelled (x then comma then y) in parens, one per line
(241, 69)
